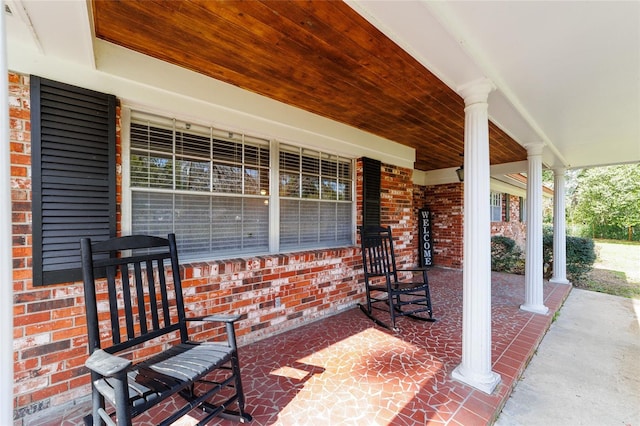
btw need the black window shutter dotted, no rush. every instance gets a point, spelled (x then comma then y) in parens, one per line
(370, 192)
(507, 207)
(73, 155)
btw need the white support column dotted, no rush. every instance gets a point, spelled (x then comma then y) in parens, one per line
(559, 229)
(475, 368)
(6, 269)
(534, 296)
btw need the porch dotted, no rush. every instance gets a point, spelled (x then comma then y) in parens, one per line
(346, 370)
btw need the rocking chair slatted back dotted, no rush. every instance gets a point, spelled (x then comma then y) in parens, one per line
(141, 295)
(380, 257)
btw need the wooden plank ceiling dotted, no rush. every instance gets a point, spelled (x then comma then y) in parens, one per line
(320, 56)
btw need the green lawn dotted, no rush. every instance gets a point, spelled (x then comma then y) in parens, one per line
(617, 268)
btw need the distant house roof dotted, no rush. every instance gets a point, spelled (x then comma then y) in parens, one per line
(516, 184)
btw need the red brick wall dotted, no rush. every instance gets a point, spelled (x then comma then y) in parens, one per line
(446, 205)
(273, 292)
(514, 207)
(50, 344)
(396, 210)
(513, 229)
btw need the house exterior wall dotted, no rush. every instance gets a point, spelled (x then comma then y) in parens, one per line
(513, 228)
(273, 293)
(396, 210)
(446, 205)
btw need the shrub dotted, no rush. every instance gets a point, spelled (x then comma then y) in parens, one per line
(547, 251)
(581, 255)
(506, 256)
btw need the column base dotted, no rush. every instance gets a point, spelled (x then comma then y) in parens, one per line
(555, 280)
(536, 309)
(485, 383)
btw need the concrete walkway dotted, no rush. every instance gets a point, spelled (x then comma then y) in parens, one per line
(587, 368)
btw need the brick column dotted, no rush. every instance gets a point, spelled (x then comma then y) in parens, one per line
(559, 229)
(475, 369)
(534, 297)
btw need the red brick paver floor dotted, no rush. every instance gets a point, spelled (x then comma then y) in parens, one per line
(345, 370)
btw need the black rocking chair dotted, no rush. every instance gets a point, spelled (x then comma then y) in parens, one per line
(140, 301)
(384, 289)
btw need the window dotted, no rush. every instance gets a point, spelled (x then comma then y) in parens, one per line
(496, 206)
(213, 189)
(315, 198)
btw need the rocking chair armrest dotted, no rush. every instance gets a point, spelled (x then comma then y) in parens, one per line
(229, 321)
(216, 318)
(106, 364)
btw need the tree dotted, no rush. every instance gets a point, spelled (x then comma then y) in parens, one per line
(609, 196)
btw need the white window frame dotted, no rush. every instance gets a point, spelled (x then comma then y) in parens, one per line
(319, 182)
(273, 196)
(495, 206)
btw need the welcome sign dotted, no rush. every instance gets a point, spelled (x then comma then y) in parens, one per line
(425, 244)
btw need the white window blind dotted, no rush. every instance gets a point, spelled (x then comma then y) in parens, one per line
(211, 187)
(315, 198)
(208, 186)
(496, 206)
